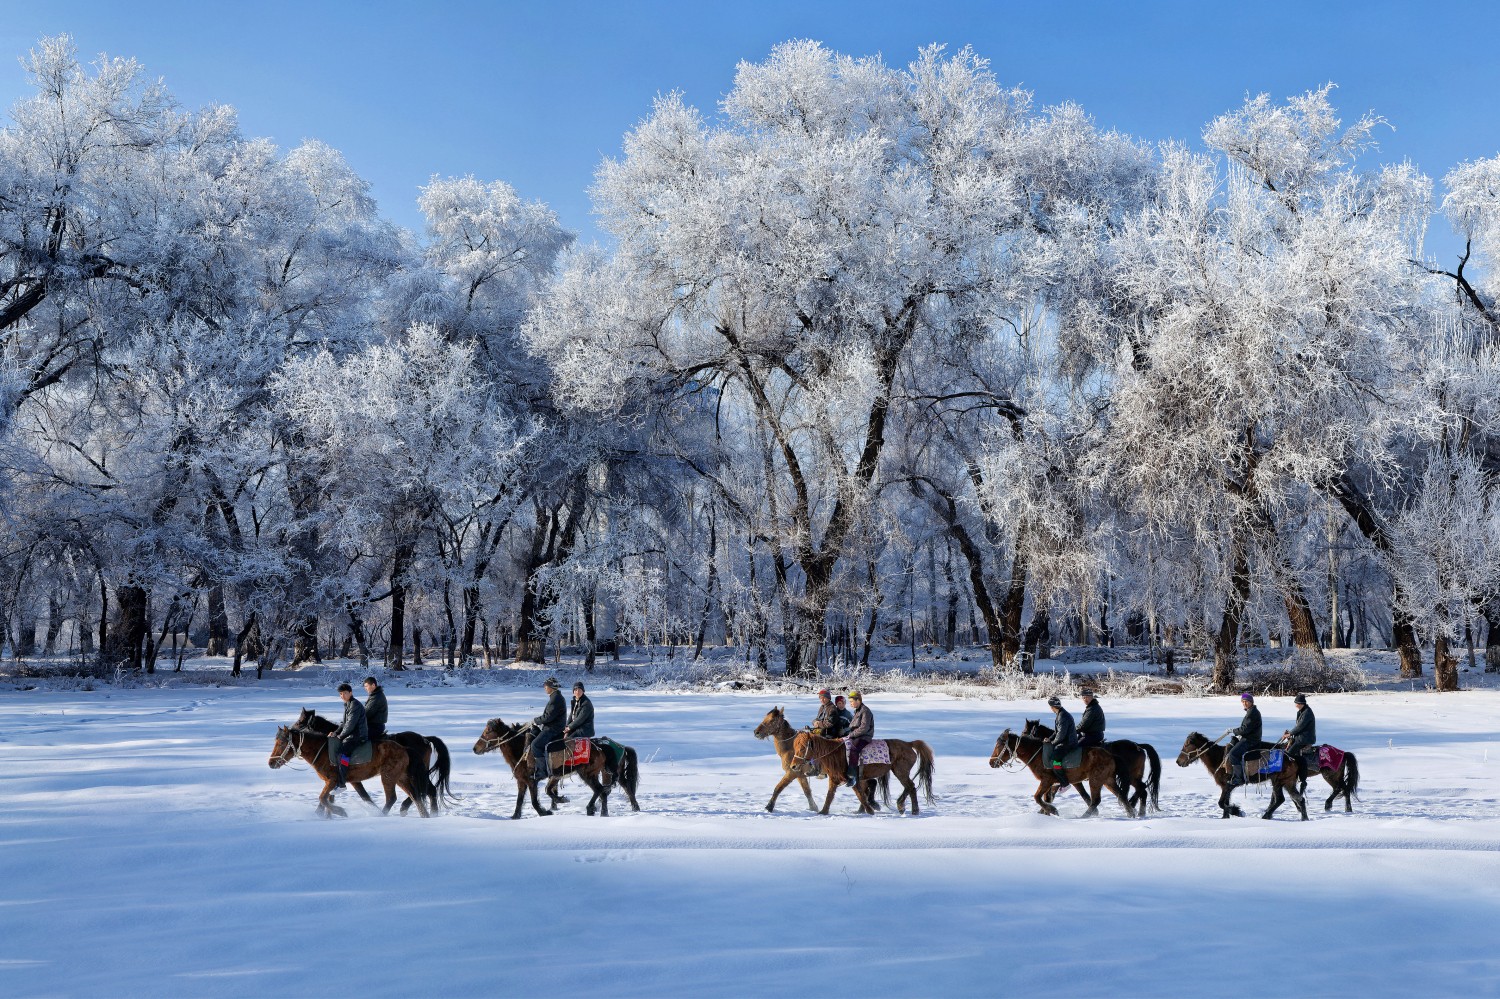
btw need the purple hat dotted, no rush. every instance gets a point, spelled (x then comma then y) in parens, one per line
(1247, 696)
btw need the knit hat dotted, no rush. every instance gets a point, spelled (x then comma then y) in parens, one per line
(1085, 692)
(1300, 699)
(823, 692)
(551, 681)
(1054, 701)
(1247, 696)
(578, 685)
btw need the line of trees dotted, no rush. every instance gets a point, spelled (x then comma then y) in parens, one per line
(876, 354)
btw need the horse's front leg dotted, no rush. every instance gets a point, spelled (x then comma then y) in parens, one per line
(534, 802)
(325, 800)
(833, 786)
(1225, 790)
(520, 798)
(1041, 797)
(1277, 797)
(787, 778)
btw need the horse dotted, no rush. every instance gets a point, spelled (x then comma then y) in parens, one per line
(1139, 766)
(1098, 768)
(774, 726)
(431, 776)
(1344, 780)
(1214, 756)
(513, 742)
(832, 757)
(388, 761)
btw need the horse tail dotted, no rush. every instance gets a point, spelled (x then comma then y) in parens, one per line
(630, 771)
(924, 771)
(442, 768)
(1351, 775)
(416, 774)
(1155, 782)
(885, 788)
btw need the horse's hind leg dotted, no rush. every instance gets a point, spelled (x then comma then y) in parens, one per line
(1277, 797)
(807, 790)
(1301, 802)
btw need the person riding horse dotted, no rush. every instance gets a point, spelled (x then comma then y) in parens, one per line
(580, 716)
(549, 727)
(861, 732)
(376, 710)
(1064, 735)
(1091, 725)
(826, 724)
(845, 717)
(353, 732)
(1302, 737)
(1246, 737)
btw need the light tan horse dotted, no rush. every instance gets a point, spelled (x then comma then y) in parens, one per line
(775, 726)
(389, 762)
(1098, 768)
(833, 757)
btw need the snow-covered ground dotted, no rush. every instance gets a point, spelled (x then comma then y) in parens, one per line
(147, 849)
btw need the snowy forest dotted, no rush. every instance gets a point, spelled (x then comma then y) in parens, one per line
(871, 354)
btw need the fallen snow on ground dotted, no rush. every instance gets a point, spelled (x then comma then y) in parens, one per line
(147, 849)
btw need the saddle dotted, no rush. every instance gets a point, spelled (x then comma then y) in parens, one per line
(1072, 759)
(571, 753)
(364, 754)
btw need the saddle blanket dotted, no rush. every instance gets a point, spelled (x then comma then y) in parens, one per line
(575, 753)
(1330, 758)
(364, 754)
(876, 752)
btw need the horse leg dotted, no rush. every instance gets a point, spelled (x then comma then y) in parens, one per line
(908, 790)
(520, 798)
(1277, 797)
(1224, 791)
(1300, 801)
(393, 781)
(812, 805)
(786, 779)
(359, 788)
(534, 802)
(1124, 799)
(1041, 798)
(833, 787)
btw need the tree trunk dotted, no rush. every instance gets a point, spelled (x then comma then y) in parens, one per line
(1226, 649)
(305, 646)
(357, 634)
(396, 651)
(1492, 637)
(590, 630)
(1444, 663)
(127, 637)
(54, 623)
(218, 622)
(1403, 630)
(1014, 603)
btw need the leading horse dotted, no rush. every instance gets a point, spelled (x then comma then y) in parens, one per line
(775, 727)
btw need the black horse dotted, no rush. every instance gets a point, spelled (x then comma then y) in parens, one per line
(1344, 780)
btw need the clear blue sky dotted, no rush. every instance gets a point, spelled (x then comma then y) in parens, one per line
(536, 93)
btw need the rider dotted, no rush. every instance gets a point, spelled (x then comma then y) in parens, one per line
(352, 733)
(1091, 725)
(1246, 738)
(375, 709)
(861, 731)
(826, 724)
(845, 717)
(580, 716)
(548, 725)
(1303, 735)
(1064, 735)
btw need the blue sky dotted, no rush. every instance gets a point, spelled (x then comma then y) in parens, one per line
(537, 93)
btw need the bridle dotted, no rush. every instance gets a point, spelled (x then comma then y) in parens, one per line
(1015, 755)
(294, 745)
(1200, 753)
(493, 744)
(820, 757)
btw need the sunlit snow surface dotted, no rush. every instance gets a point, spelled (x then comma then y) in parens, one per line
(147, 849)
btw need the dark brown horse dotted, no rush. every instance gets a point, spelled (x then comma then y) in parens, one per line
(775, 727)
(1139, 767)
(388, 761)
(1215, 757)
(599, 773)
(831, 756)
(1097, 768)
(431, 765)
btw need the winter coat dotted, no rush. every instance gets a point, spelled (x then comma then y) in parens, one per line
(826, 723)
(581, 718)
(846, 717)
(862, 724)
(1304, 731)
(1065, 736)
(1249, 729)
(1092, 723)
(376, 713)
(554, 716)
(354, 731)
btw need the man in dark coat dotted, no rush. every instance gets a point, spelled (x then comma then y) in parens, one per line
(548, 726)
(580, 716)
(1091, 725)
(1064, 735)
(1246, 737)
(845, 717)
(352, 733)
(1302, 737)
(826, 723)
(861, 731)
(376, 710)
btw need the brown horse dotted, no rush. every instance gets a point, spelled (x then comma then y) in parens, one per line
(774, 726)
(599, 773)
(1139, 766)
(1215, 757)
(1098, 769)
(389, 762)
(832, 757)
(430, 775)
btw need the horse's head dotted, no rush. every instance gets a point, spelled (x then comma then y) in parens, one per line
(802, 755)
(1034, 729)
(1005, 749)
(496, 734)
(773, 722)
(1193, 747)
(283, 749)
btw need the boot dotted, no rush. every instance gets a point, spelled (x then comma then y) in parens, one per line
(340, 782)
(853, 777)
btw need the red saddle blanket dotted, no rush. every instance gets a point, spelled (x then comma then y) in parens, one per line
(876, 752)
(1330, 758)
(578, 752)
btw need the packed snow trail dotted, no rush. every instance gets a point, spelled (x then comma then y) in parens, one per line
(146, 848)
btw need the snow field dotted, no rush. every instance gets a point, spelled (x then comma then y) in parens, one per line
(147, 849)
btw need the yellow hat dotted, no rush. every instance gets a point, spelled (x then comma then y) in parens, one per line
(854, 696)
